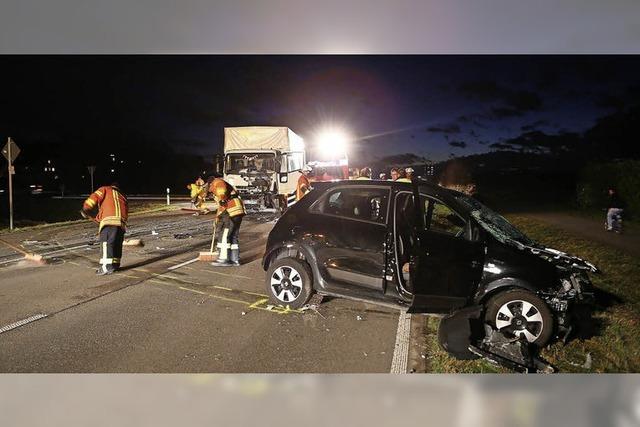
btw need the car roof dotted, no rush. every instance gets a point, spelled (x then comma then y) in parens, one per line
(434, 188)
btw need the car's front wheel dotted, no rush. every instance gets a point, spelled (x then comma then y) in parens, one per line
(520, 313)
(289, 282)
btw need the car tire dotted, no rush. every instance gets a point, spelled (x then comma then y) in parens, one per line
(289, 282)
(504, 312)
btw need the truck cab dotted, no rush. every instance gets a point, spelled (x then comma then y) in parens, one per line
(263, 164)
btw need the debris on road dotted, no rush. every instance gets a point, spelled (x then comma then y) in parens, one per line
(243, 313)
(182, 236)
(133, 242)
(154, 233)
(359, 318)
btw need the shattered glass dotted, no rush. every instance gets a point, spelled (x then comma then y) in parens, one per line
(494, 223)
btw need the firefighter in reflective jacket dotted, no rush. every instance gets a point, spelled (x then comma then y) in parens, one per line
(112, 216)
(198, 195)
(229, 217)
(304, 186)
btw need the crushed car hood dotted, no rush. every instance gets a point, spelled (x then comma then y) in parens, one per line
(559, 258)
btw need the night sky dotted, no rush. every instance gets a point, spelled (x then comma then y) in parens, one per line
(433, 106)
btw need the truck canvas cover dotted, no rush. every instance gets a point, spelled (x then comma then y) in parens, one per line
(261, 138)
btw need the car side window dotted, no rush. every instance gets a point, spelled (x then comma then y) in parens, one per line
(442, 219)
(369, 204)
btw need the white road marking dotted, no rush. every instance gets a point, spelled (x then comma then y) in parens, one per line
(401, 350)
(183, 264)
(22, 322)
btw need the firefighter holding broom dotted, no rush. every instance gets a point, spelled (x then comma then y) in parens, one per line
(227, 225)
(112, 215)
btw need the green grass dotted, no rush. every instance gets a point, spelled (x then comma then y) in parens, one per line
(616, 346)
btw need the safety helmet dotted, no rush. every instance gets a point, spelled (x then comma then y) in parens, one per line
(307, 168)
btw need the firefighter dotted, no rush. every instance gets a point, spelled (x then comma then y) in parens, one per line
(403, 175)
(198, 195)
(394, 174)
(365, 173)
(303, 186)
(229, 217)
(112, 215)
(408, 175)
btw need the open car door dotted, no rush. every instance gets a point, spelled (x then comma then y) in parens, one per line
(445, 262)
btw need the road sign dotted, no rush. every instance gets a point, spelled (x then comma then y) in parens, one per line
(10, 151)
(10, 147)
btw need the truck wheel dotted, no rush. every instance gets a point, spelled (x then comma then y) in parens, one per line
(520, 313)
(289, 282)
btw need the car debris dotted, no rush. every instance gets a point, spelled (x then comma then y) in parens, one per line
(587, 363)
(180, 236)
(359, 318)
(464, 336)
(154, 233)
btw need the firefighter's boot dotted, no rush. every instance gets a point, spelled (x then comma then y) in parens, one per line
(235, 256)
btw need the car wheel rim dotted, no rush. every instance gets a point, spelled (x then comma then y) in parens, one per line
(520, 319)
(286, 284)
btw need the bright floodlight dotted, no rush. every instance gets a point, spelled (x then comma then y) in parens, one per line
(332, 142)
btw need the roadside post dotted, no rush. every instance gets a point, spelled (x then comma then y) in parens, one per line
(10, 152)
(168, 199)
(91, 170)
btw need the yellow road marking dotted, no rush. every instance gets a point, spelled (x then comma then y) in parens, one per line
(254, 294)
(256, 305)
(222, 287)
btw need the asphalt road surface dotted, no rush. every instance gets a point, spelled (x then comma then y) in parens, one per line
(161, 313)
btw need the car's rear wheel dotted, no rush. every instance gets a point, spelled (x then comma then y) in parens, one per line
(520, 313)
(289, 282)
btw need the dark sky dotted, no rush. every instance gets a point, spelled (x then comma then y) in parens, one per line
(429, 105)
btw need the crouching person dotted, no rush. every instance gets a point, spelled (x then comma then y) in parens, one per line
(112, 214)
(229, 216)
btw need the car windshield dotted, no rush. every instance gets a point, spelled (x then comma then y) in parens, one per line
(249, 162)
(493, 222)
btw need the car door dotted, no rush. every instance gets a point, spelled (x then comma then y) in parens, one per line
(349, 242)
(445, 262)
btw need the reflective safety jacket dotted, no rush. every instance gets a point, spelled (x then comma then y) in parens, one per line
(198, 193)
(227, 198)
(403, 180)
(112, 206)
(303, 187)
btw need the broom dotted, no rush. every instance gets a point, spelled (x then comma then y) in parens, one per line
(210, 256)
(38, 259)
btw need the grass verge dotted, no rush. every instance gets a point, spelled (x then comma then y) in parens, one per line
(616, 345)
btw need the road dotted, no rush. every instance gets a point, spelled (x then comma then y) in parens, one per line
(163, 314)
(591, 229)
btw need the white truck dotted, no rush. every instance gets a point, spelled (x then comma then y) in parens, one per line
(263, 163)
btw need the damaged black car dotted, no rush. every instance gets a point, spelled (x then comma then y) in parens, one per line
(431, 250)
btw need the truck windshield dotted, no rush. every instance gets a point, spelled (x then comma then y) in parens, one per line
(250, 162)
(493, 222)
